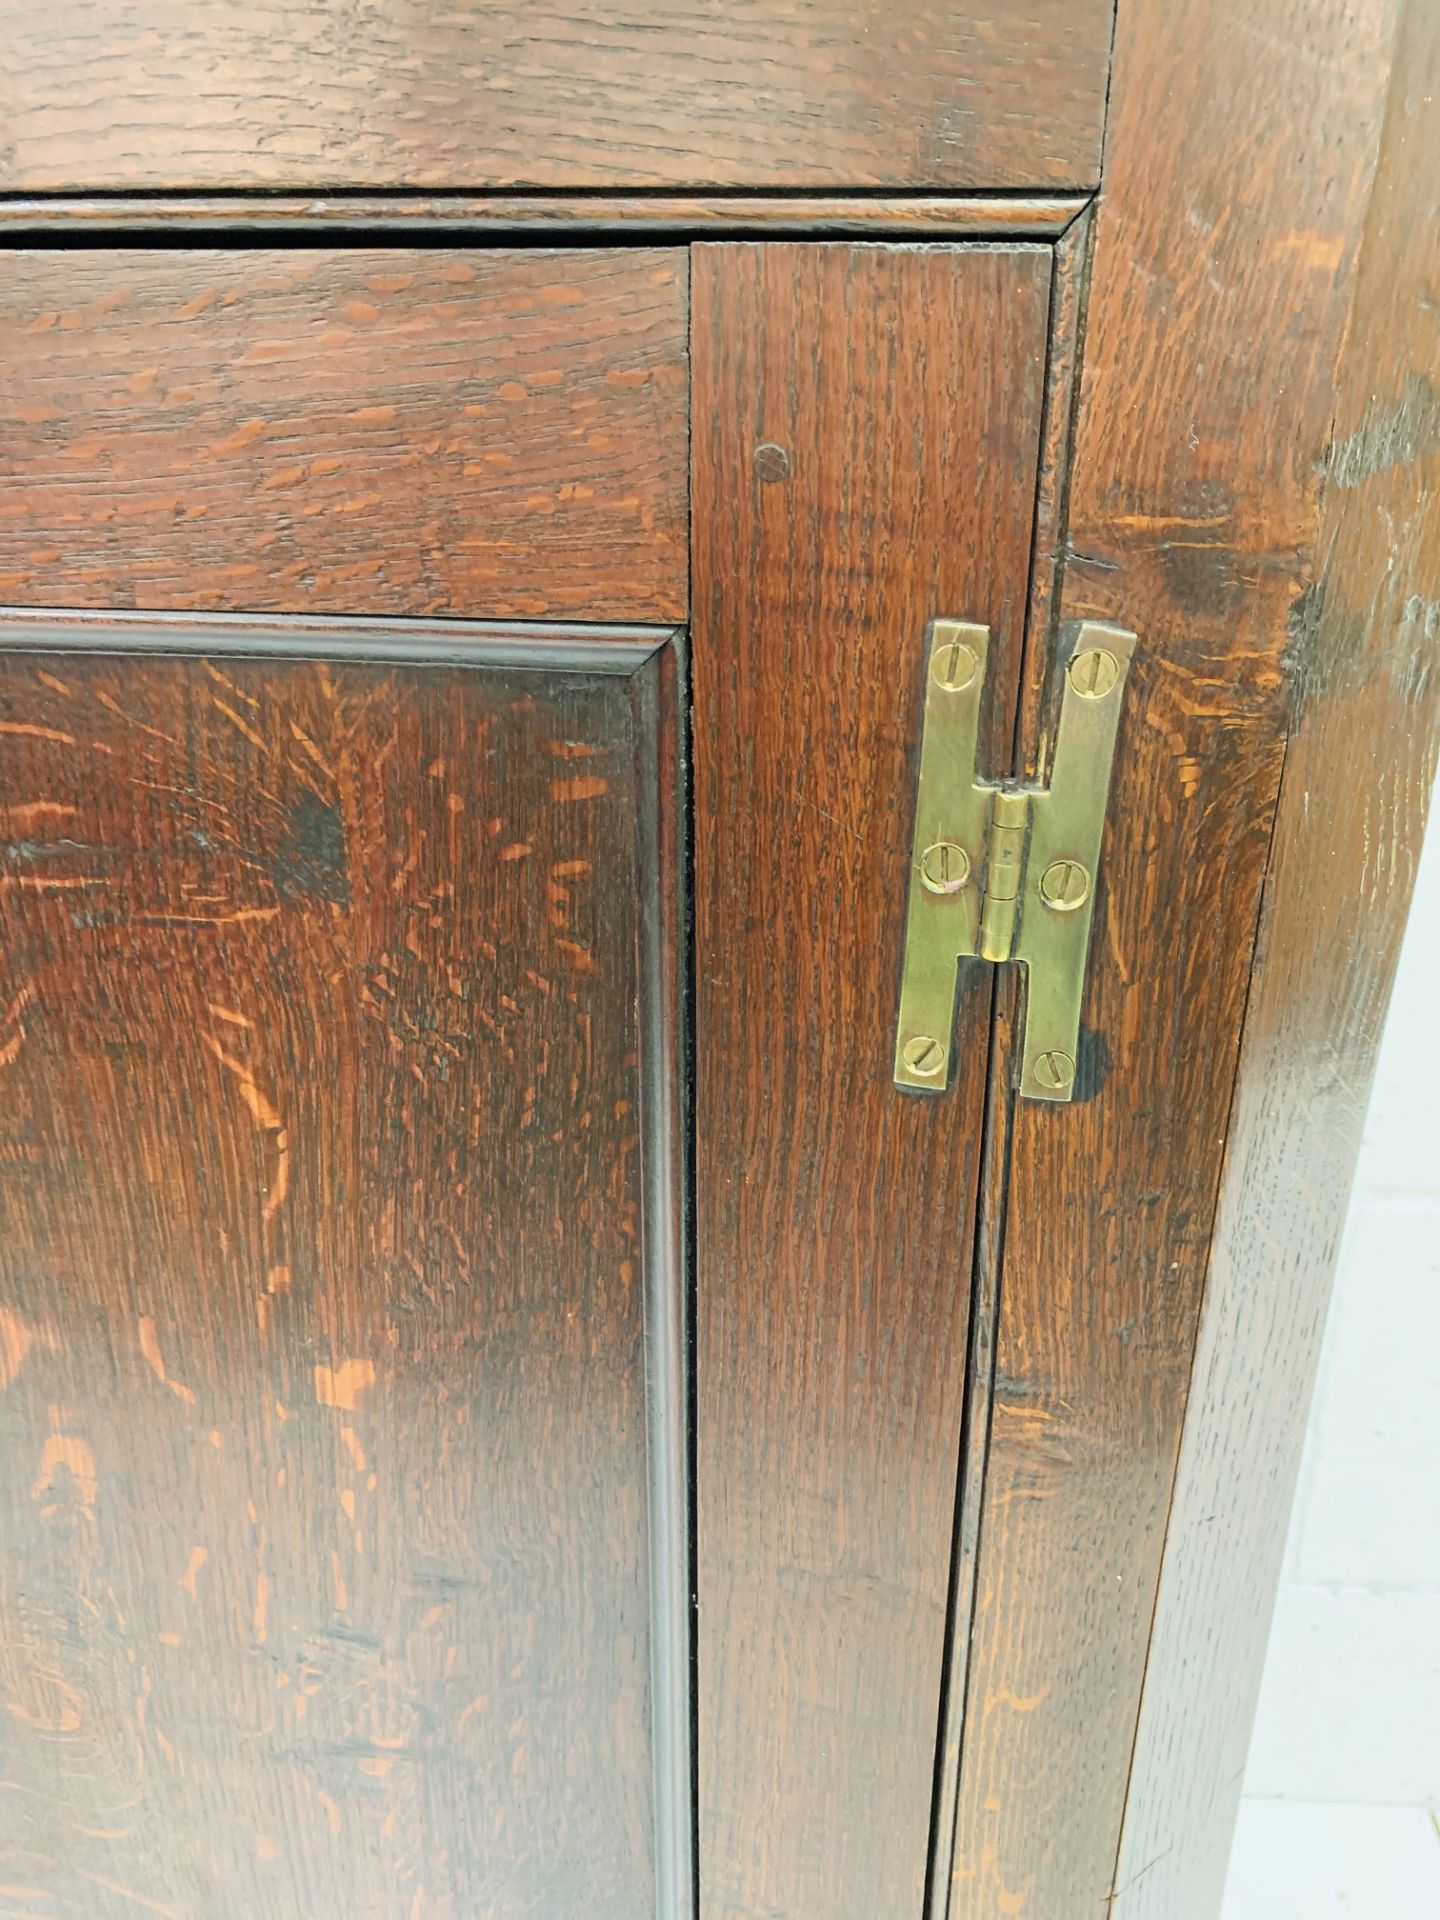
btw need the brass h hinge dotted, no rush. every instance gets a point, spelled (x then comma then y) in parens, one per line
(1007, 872)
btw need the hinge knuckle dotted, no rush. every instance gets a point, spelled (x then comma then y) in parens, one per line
(1004, 866)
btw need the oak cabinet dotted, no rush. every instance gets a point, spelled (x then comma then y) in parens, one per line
(507, 1408)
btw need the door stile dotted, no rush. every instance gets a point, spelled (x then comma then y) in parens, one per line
(1068, 287)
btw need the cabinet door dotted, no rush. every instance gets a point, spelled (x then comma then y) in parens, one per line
(344, 1058)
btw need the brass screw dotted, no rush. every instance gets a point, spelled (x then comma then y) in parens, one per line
(1093, 673)
(1065, 885)
(954, 665)
(923, 1055)
(1054, 1070)
(944, 867)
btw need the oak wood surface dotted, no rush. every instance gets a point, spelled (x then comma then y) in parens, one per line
(562, 93)
(1067, 293)
(387, 431)
(1359, 770)
(1237, 169)
(867, 432)
(324, 1259)
(458, 215)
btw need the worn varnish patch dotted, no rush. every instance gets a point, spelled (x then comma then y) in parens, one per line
(322, 1430)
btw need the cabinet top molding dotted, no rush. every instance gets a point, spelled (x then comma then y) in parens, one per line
(822, 95)
(230, 218)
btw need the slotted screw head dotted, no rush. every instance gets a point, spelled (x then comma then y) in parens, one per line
(944, 867)
(923, 1054)
(1065, 885)
(1094, 672)
(1054, 1070)
(954, 665)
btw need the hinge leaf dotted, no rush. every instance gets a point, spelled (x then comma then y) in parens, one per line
(1007, 872)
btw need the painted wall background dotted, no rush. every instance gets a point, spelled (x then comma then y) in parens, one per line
(1342, 1790)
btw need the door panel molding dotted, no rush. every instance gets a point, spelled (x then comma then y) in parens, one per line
(297, 1000)
(243, 219)
(544, 647)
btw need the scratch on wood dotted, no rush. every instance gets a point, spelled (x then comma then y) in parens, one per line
(265, 1118)
(24, 813)
(581, 787)
(15, 1344)
(32, 732)
(150, 1347)
(128, 1893)
(243, 725)
(193, 1569)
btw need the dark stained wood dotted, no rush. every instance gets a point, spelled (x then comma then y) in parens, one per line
(899, 394)
(456, 215)
(380, 431)
(1358, 776)
(1238, 164)
(1067, 290)
(326, 1242)
(563, 93)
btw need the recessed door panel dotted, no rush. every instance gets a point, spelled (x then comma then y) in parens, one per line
(329, 1284)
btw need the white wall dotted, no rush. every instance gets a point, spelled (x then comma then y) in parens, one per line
(1343, 1784)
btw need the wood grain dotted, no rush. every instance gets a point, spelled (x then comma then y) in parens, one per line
(386, 431)
(1238, 166)
(1067, 291)
(566, 93)
(324, 1261)
(460, 215)
(1358, 776)
(867, 433)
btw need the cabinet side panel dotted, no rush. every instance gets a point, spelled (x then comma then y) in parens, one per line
(1358, 776)
(867, 424)
(323, 1439)
(1238, 167)
(560, 93)
(403, 430)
